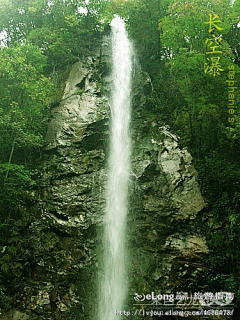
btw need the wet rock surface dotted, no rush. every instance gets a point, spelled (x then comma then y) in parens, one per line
(166, 246)
(62, 242)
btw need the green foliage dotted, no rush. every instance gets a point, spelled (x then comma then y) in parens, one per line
(15, 179)
(26, 95)
(183, 26)
(26, 92)
(4, 300)
(63, 30)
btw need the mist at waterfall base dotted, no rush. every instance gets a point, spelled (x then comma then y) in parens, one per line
(113, 283)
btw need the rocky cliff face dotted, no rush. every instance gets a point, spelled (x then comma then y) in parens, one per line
(167, 247)
(64, 235)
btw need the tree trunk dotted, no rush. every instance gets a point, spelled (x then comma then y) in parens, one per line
(10, 159)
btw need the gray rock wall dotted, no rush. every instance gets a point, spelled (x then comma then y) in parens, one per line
(73, 186)
(167, 247)
(64, 237)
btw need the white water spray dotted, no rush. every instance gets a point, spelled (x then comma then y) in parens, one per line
(114, 282)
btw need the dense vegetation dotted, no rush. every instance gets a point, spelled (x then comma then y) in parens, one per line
(189, 92)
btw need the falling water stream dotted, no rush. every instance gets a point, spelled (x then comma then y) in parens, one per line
(114, 282)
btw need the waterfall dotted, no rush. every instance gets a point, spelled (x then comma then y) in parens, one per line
(114, 282)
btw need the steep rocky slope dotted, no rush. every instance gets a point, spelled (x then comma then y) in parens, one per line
(62, 243)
